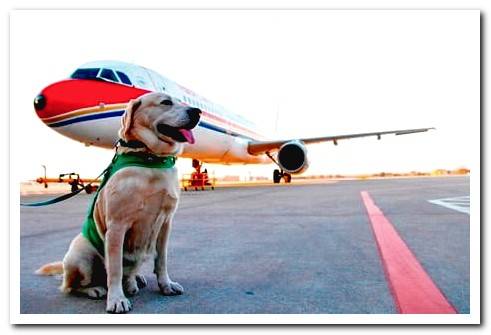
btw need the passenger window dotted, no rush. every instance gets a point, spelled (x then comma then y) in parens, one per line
(90, 73)
(141, 81)
(109, 75)
(124, 78)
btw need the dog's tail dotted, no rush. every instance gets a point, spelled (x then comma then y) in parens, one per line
(50, 269)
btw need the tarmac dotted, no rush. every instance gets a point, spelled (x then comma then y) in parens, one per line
(298, 248)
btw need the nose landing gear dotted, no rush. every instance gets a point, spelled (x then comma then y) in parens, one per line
(278, 174)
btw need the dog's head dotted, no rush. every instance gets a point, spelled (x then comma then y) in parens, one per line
(160, 122)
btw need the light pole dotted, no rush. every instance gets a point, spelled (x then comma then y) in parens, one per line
(45, 183)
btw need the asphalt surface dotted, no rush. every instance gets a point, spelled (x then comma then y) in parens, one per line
(271, 249)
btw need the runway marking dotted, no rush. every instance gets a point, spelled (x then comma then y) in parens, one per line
(413, 290)
(459, 204)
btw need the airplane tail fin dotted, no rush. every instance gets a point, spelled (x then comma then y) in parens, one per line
(50, 269)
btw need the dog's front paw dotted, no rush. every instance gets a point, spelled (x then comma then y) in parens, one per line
(171, 288)
(118, 305)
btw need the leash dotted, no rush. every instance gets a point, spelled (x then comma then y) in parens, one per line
(68, 195)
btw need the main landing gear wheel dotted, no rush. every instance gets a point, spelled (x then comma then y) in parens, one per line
(277, 175)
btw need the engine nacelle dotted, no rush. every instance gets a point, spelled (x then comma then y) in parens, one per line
(292, 157)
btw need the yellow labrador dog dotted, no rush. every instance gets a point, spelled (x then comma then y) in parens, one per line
(133, 211)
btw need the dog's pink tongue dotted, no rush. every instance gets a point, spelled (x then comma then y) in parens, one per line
(188, 135)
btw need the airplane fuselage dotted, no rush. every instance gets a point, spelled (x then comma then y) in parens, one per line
(88, 107)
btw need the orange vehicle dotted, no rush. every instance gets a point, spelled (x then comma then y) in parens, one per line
(73, 179)
(197, 179)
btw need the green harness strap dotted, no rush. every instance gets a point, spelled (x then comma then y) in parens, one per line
(120, 161)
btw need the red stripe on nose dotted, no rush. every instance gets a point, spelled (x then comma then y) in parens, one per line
(72, 94)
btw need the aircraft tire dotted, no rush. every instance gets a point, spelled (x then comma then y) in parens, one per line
(277, 176)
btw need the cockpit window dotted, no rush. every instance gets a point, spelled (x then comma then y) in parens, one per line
(89, 73)
(104, 74)
(109, 75)
(124, 78)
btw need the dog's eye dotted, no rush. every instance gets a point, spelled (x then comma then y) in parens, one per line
(166, 102)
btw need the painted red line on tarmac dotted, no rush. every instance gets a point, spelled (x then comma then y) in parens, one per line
(413, 289)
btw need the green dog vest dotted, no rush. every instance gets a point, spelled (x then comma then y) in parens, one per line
(121, 161)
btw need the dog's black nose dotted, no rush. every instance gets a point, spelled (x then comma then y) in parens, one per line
(194, 115)
(39, 102)
(194, 112)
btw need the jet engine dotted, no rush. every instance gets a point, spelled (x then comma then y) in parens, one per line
(292, 157)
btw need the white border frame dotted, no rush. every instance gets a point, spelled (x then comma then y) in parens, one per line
(472, 318)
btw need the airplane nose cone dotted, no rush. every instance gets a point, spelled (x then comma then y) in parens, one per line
(39, 102)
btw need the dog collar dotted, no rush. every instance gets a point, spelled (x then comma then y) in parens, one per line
(133, 144)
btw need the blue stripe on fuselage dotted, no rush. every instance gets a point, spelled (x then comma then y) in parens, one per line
(119, 113)
(87, 118)
(211, 126)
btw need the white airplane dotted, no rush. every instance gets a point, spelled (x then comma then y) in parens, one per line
(88, 106)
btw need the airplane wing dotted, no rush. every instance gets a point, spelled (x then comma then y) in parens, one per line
(259, 147)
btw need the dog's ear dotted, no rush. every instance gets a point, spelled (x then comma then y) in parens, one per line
(127, 118)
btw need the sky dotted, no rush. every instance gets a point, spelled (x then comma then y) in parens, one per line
(294, 73)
